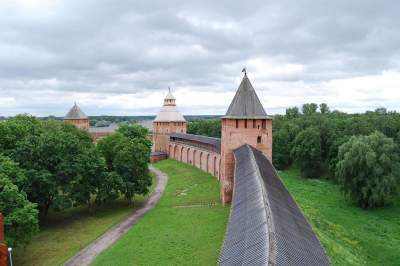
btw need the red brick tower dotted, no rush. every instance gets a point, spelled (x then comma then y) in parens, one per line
(169, 120)
(76, 117)
(245, 122)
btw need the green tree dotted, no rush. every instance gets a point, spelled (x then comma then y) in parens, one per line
(12, 170)
(136, 132)
(368, 169)
(107, 147)
(16, 129)
(205, 127)
(283, 144)
(131, 163)
(91, 177)
(307, 152)
(51, 160)
(292, 112)
(309, 108)
(324, 108)
(21, 216)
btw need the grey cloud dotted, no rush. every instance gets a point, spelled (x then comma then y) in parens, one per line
(114, 47)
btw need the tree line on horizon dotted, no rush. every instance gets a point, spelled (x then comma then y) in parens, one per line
(360, 152)
(48, 165)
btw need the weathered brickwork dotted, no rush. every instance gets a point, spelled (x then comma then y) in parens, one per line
(162, 131)
(3, 246)
(235, 133)
(79, 123)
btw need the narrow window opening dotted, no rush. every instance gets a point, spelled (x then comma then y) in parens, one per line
(245, 123)
(254, 123)
(259, 139)
(237, 123)
(263, 124)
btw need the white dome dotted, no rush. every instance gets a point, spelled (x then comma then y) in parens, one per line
(169, 112)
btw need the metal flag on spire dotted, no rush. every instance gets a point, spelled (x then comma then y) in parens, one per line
(244, 70)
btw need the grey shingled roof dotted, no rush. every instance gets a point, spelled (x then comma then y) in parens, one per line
(266, 227)
(215, 142)
(75, 113)
(111, 128)
(246, 104)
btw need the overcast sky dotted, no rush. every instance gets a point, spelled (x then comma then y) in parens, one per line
(119, 57)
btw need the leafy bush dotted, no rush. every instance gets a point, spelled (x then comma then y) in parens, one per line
(21, 216)
(368, 169)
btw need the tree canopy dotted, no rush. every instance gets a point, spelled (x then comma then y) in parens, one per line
(368, 169)
(127, 153)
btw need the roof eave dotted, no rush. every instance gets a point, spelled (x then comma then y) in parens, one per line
(247, 117)
(76, 118)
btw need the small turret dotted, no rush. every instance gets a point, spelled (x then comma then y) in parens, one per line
(168, 120)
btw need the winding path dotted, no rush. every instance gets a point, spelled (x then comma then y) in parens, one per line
(88, 254)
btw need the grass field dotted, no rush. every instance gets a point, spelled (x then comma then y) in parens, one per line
(186, 227)
(350, 235)
(69, 231)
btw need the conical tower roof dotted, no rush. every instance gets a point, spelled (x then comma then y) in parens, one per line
(75, 113)
(169, 112)
(246, 104)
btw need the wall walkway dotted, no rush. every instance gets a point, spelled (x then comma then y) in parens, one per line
(266, 227)
(199, 151)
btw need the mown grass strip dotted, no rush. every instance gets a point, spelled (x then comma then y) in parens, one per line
(170, 234)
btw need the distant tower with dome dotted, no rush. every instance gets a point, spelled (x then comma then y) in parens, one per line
(77, 117)
(169, 120)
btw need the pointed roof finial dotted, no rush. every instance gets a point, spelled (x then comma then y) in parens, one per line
(244, 70)
(169, 89)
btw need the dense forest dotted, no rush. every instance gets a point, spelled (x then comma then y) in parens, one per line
(48, 165)
(359, 151)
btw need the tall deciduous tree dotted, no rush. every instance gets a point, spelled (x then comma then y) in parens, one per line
(51, 160)
(368, 169)
(324, 108)
(309, 108)
(127, 153)
(292, 112)
(131, 163)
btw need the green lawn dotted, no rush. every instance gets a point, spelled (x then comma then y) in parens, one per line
(186, 227)
(350, 235)
(69, 231)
